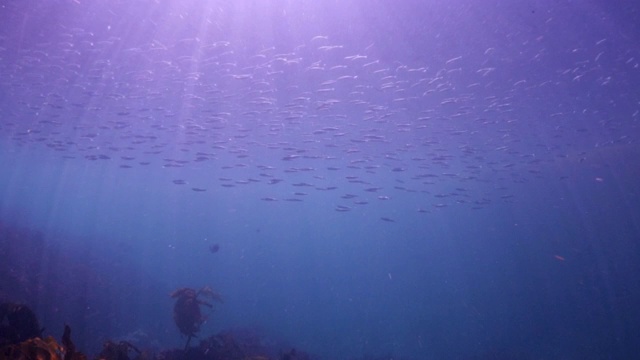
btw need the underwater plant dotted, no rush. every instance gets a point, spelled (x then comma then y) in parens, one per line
(35, 348)
(47, 348)
(119, 351)
(186, 312)
(17, 324)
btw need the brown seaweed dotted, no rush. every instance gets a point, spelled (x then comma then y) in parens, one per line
(119, 351)
(187, 314)
(21, 324)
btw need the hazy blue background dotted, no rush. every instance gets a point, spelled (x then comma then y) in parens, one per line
(514, 207)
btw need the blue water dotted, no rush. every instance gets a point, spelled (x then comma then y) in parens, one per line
(406, 179)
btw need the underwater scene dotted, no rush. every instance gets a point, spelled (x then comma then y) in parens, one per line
(319, 179)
